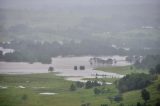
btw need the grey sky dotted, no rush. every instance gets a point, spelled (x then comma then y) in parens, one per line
(41, 4)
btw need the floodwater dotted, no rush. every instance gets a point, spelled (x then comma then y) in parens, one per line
(22, 68)
(47, 93)
(64, 66)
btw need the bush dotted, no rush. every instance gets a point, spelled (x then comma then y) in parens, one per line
(72, 87)
(79, 84)
(158, 87)
(50, 69)
(88, 84)
(24, 97)
(91, 84)
(86, 104)
(157, 68)
(139, 104)
(118, 98)
(121, 104)
(104, 104)
(157, 103)
(97, 91)
(134, 81)
(145, 95)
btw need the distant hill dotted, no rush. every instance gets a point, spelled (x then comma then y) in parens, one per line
(119, 22)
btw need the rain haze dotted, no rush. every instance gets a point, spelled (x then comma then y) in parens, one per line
(80, 52)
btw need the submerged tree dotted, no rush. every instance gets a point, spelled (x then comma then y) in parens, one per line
(50, 69)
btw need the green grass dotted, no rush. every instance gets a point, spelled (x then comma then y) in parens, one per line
(135, 96)
(13, 96)
(111, 80)
(122, 70)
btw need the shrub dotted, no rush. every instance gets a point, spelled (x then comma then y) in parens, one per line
(72, 87)
(145, 95)
(158, 87)
(24, 97)
(79, 84)
(134, 81)
(97, 91)
(118, 98)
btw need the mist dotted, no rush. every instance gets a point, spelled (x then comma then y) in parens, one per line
(79, 52)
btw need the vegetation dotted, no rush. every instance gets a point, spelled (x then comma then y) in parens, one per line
(103, 80)
(134, 96)
(134, 81)
(91, 84)
(123, 70)
(38, 83)
(118, 98)
(145, 95)
(97, 91)
(51, 69)
(40, 30)
(24, 97)
(148, 62)
(72, 87)
(37, 51)
(79, 84)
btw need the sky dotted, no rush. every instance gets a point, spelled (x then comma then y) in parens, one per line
(41, 4)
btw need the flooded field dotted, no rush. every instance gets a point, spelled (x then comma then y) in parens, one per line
(64, 66)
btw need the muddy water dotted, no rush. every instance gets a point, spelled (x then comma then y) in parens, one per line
(63, 65)
(22, 68)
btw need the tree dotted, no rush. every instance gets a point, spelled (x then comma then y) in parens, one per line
(79, 84)
(152, 71)
(118, 98)
(95, 83)
(104, 104)
(145, 95)
(50, 69)
(158, 102)
(86, 104)
(121, 104)
(72, 87)
(134, 81)
(131, 67)
(88, 85)
(158, 87)
(139, 104)
(110, 99)
(157, 68)
(24, 97)
(97, 91)
(75, 67)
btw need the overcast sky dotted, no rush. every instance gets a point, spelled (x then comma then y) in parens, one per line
(40, 4)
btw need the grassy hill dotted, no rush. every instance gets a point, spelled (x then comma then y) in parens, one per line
(38, 83)
(135, 96)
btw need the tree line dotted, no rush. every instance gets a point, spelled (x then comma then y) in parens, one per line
(39, 51)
